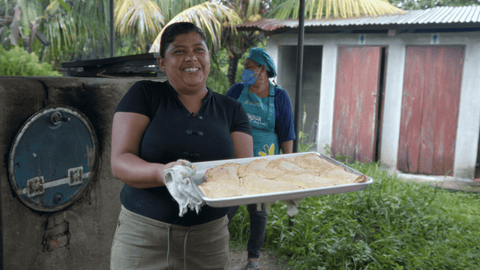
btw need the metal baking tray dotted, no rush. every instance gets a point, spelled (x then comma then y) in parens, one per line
(202, 167)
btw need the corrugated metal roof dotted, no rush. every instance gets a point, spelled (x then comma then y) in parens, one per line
(438, 15)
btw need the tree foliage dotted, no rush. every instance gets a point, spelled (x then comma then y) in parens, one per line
(211, 16)
(316, 9)
(18, 62)
(79, 29)
(237, 44)
(424, 4)
(144, 19)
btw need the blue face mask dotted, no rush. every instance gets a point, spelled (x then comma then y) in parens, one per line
(248, 78)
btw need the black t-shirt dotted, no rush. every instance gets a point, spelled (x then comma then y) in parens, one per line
(174, 133)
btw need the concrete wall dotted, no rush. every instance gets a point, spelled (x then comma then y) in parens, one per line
(86, 227)
(287, 77)
(468, 129)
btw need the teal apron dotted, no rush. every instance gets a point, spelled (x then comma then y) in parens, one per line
(261, 113)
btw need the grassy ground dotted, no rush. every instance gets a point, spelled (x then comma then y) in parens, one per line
(391, 224)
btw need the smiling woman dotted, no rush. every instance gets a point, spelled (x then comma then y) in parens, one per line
(155, 125)
(186, 61)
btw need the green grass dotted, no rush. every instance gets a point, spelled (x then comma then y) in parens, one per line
(391, 224)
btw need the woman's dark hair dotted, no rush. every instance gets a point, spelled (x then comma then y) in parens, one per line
(176, 29)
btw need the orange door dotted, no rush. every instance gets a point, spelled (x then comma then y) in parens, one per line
(357, 95)
(430, 103)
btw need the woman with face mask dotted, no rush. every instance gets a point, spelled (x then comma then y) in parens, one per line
(270, 113)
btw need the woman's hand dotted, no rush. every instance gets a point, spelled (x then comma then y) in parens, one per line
(174, 163)
(161, 171)
(287, 147)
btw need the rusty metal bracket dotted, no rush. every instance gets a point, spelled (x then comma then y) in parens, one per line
(75, 176)
(35, 186)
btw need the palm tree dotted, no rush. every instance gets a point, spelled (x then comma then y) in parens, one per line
(139, 17)
(80, 29)
(213, 15)
(83, 27)
(218, 20)
(147, 18)
(22, 27)
(72, 30)
(237, 44)
(79, 34)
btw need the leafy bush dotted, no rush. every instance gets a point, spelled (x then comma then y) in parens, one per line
(18, 62)
(217, 79)
(391, 224)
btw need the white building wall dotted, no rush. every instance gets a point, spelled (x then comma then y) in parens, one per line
(469, 114)
(468, 129)
(327, 98)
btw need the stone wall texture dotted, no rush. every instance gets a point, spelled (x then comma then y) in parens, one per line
(80, 236)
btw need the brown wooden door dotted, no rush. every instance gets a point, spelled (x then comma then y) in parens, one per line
(356, 102)
(430, 103)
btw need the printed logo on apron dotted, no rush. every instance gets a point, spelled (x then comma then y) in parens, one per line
(257, 119)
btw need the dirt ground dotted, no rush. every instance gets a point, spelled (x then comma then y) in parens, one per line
(268, 260)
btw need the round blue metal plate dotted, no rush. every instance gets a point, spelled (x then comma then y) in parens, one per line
(53, 158)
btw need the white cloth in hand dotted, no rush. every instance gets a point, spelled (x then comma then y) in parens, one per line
(179, 184)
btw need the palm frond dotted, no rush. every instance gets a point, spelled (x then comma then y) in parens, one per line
(171, 8)
(297, 9)
(209, 16)
(310, 7)
(328, 8)
(82, 31)
(335, 8)
(283, 10)
(142, 17)
(319, 10)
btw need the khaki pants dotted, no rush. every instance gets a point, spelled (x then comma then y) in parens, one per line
(144, 243)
